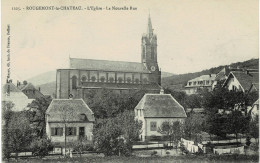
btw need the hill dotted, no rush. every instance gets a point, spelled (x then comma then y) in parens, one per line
(43, 78)
(178, 82)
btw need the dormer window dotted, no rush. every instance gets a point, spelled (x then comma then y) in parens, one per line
(83, 117)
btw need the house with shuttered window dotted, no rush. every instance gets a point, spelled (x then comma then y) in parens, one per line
(154, 109)
(69, 119)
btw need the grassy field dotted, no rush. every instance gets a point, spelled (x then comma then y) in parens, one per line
(177, 159)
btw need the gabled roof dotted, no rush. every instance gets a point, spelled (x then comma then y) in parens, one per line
(245, 79)
(61, 110)
(105, 65)
(161, 105)
(31, 92)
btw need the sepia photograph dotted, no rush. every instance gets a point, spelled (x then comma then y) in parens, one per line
(130, 81)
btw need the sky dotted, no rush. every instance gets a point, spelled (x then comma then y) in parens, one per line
(191, 35)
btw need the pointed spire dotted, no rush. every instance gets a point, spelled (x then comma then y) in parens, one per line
(149, 27)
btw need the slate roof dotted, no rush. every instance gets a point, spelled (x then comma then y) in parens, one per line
(105, 65)
(31, 92)
(245, 80)
(69, 110)
(204, 77)
(161, 105)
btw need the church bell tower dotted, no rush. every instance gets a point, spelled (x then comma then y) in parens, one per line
(149, 52)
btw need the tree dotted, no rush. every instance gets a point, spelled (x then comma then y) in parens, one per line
(37, 114)
(172, 130)
(177, 132)
(254, 128)
(6, 117)
(18, 133)
(237, 123)
(192, 126)
(118, 133)
(41, 146)
(193, 101)
(180, 96)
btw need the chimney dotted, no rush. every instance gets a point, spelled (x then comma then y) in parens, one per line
(209, 75)
(161, 91)
(39, 89)
(25, 82)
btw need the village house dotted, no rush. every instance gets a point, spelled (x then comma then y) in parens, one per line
(202, 82)
(10, 93)
(245, 81)
(154, 109)
(75, 115)
(29, 90)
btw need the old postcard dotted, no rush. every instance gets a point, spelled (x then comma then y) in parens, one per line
(166, 81)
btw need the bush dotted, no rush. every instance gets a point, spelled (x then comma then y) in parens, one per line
(153, 153)
(41, 147)
(254, 146)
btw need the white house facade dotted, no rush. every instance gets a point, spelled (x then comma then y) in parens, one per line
(72, 114)
(154, 109)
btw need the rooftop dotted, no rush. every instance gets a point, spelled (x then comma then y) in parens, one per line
(61, 110)
(161, 105)
(106, 65)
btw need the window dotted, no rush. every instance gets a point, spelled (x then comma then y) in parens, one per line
(74, 82)
(93, 78)
(207, 82)
(143, 53)
(190, 83)
(137, 81)
(128, 80)
(70, 131)
(152, 53)
(83, 78)
(111, 79)
(120, 80)
(145, 80)
(153, 126)
(57, 131)
(194, 83)
(102, 79)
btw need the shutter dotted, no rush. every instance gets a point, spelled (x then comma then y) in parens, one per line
(61, 131)
(74, 130)
(67, 131)
(52, 131)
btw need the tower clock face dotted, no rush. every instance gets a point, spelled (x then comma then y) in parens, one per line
(152, 68)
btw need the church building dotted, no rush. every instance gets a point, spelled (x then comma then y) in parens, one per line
(123, 77)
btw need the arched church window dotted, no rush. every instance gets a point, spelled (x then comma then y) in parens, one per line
(111, 79)
(120, 80)
(143, 52)
(137, 81)
(102, 79)
(93, 78)
(152, 53)
(83, 78)
(74, 82)
(128, 80)
(145, 81)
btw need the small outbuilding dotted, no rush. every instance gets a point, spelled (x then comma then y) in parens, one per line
(154, 109)
(72, 117)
